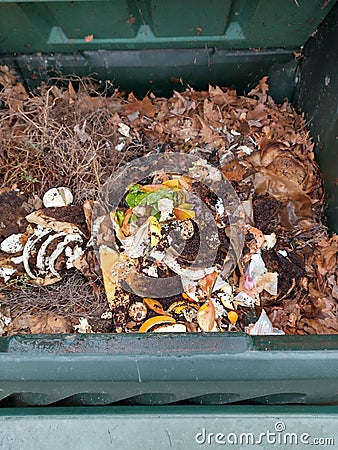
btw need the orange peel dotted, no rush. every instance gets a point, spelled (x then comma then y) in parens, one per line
(156, 320)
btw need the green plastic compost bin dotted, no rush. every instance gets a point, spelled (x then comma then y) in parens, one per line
(149, 45)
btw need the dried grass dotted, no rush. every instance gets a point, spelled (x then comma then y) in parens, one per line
(73, 297)
(40, 147)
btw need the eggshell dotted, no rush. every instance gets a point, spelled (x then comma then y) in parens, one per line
(57, 197)
(12, 244)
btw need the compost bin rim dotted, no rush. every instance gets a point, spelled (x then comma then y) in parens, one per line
(229, 342)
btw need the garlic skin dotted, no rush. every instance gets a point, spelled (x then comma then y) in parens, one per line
(57, 197)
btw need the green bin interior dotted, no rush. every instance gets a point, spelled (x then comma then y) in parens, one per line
(150, 45)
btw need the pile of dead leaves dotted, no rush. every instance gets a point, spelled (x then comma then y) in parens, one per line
(69, 135)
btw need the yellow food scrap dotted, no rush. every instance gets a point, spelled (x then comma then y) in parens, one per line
(184, 214)
(227, 303)
(177, 307)
(154, 305)
(155, 231)
(172, 183)
(232, 316)
(186, 297)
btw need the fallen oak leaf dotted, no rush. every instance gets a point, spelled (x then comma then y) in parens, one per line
(260, 90)
(145, 106)
(41, 323)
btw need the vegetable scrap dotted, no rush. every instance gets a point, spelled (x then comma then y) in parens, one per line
(62, 270)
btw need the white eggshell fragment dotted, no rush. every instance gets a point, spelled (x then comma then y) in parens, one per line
(123, 129)
(6, 273)
(41, 262)
(12, 244)
(270, 241)
(57, 197)
(30, 245)
(59, 249)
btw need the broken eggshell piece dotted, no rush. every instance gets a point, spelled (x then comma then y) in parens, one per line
(13, 243)
(41, 257)
(57, 197)
(83, 327)
(6, 273)
(138, 311)
(59, 249)
(38, 234)
(46, 263)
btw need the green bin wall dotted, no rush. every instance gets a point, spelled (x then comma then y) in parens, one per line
(67, 26)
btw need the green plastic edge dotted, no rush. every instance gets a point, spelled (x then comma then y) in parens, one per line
(61, 26)
(150, 343)
(185, 410)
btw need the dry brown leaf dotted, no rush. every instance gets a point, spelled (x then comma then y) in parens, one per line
(222, 97)
(260, 90)
(329, 250)
(88, 206)
(233, 171)
(42, 219)
(71, 91)
(48, 324)
(41, 323)
(47, 281)
(145, 106)
(206, 316)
